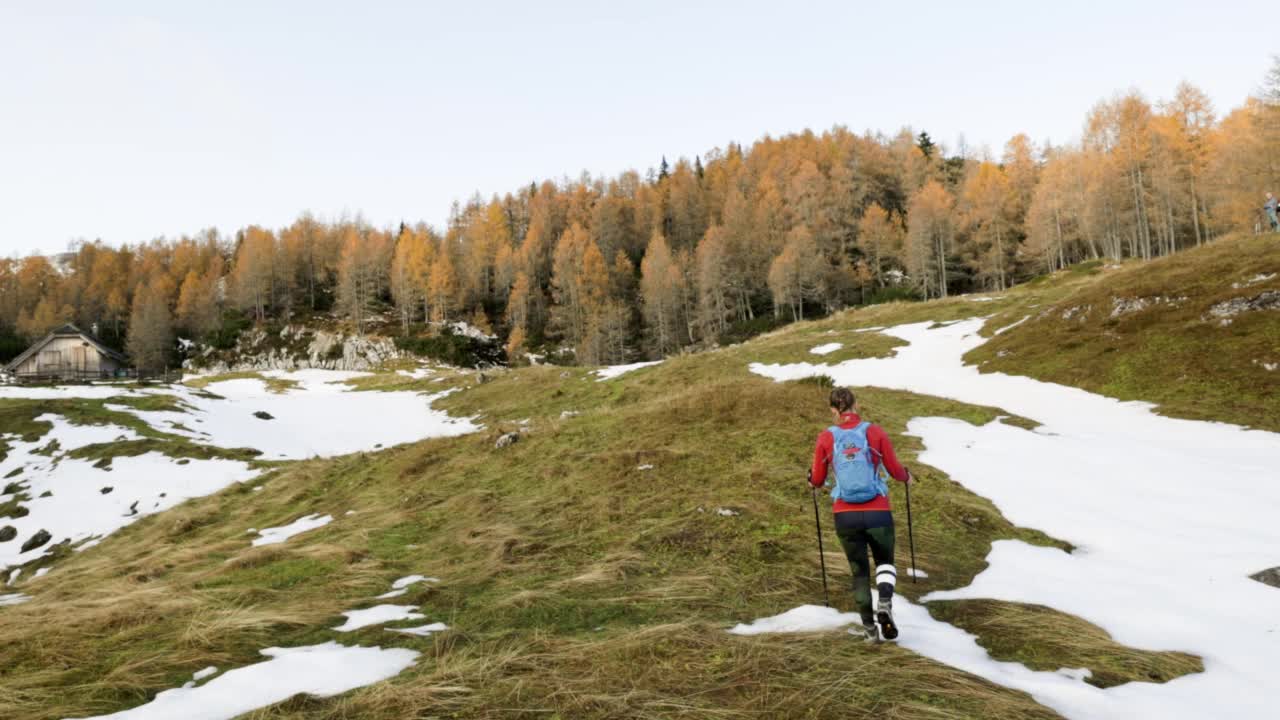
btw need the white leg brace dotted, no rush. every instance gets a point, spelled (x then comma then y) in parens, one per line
(886, 574)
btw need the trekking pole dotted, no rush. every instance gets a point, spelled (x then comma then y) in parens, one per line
(911, 536)
(826, 595)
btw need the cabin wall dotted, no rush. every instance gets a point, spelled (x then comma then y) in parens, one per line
(66, 355)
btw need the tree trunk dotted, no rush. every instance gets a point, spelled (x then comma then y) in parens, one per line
(942, 267)
(1195, 211)
(999, 260)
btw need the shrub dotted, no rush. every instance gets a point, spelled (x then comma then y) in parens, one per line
(454, 349)
(893, 293)
(234, 322)
(746, 329)
(11, 345)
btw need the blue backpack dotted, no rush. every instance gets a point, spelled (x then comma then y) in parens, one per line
(857, 473)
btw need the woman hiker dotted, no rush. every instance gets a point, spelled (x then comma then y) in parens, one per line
(857, 452)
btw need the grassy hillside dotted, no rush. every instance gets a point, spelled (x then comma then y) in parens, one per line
(1160, 331)
(578, 585)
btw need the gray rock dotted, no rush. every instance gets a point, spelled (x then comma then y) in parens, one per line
(1268, 577)
(507, 439)
(1125, 306)
(326, 350)
(264, 415)
(40, 538)
(7, 533)
(1227, 309)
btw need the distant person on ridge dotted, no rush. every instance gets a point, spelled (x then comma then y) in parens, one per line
(858, 454)
(1270, 208)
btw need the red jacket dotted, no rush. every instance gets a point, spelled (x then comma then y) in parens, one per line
(882, 449)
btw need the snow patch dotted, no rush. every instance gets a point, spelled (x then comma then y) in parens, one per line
(377, 615)
(65, 392)
(422, 630)
(1007, 328)
(276, 535)
(13, 599)
(1080, 674)
(613, 371)
(321, 670)
(202, 674)
(471, 331)
(806, 618)
(320, 417)
(401, 586)
(826, 349)
(408, 580)
(417, 373)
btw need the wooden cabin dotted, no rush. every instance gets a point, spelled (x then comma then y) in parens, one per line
(67, 353)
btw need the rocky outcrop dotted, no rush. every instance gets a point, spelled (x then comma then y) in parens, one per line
(296, 347)
(1224, 311)
(1123, 306)
(1079, 312)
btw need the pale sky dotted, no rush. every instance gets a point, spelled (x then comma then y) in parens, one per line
(126, 120)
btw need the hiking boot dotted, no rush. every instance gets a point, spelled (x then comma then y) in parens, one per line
(884, 616)
(868, 632)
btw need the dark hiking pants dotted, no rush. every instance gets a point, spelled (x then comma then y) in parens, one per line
(858, 530)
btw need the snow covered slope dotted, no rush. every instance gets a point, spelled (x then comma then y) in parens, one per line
(320, 417)
(75, 500)
(1169, 518)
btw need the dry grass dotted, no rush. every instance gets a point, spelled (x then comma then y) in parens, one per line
(1045, 639)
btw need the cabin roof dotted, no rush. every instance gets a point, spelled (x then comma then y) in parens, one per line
(64, 331)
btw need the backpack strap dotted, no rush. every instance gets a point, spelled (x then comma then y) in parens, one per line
(865, 427)
(831, 462)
